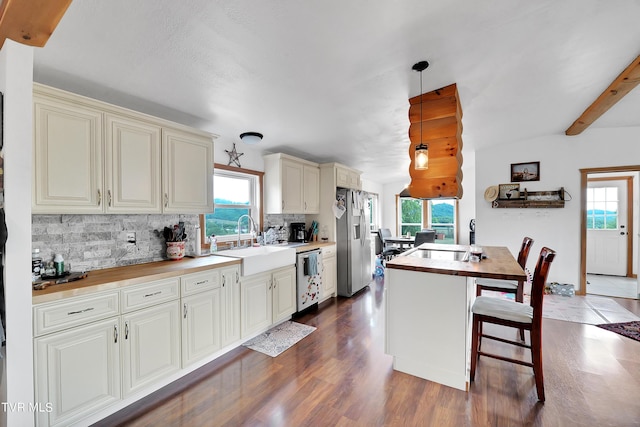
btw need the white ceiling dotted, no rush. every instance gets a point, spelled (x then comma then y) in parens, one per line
(329, 80)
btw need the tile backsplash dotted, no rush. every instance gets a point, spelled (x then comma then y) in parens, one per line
(91, 242)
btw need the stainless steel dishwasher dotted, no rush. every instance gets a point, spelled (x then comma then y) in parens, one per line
(309, 278)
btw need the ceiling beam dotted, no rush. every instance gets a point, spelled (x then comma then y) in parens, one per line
(622, 85)
(30, 22)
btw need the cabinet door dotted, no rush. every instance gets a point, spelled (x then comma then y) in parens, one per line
(256, 303)
(311, 189)
(292, 176)
(230, 305)
(151, 345)
(67, 152)
(284, 294)
(201, 325)
(329, 275)
(342, 177)
(77, 371)
(133, 178)
(187, 167)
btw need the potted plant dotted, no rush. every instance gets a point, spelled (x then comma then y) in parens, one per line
(175, 238)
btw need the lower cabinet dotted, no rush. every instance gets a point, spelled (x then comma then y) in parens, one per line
(230, 304)
(329, 272)
(151, 345)
(77, 371)
(266, 299)
(201, 325)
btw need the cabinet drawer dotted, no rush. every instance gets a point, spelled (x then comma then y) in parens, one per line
(74, 311)
(328, 251)
(150, 294)
(198, 282)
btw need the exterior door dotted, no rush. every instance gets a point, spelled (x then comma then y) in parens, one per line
(607, 227)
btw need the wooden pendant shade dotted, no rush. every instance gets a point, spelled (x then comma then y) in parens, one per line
(441, 117)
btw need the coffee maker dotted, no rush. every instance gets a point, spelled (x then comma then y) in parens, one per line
(297, 232)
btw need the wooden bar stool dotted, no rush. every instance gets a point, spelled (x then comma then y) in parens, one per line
(515, 315)
(508, 286)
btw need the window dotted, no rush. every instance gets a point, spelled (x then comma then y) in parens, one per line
(411, 216)
(439, 215)
(236, 193)
(602, 208)
(373, 208)
(442, 219)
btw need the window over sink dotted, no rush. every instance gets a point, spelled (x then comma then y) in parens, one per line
(236, 192)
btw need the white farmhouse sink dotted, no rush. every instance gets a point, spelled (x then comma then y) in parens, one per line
(262, 258)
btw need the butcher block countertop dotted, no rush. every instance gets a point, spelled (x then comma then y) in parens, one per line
(117, 277)
(498, 264)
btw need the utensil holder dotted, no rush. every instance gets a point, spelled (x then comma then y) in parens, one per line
(175, 250)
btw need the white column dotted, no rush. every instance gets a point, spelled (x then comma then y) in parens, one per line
(16, 83)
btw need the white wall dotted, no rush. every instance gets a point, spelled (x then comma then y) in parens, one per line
(561, 157)
(251, 159)
(16, 81)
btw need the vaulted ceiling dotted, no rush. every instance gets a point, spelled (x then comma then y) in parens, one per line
(330, 79)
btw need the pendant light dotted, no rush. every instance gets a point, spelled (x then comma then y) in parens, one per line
(421, 159)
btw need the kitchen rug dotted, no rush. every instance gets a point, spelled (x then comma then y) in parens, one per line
(590, 309)
(627, 329)
(279, 338)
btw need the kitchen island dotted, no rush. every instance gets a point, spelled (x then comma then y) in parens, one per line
(429, 293)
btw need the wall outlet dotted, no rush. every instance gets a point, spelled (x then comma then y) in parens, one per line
(131, 237)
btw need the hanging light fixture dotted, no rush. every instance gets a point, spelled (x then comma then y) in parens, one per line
(251, 138)
(421, 159)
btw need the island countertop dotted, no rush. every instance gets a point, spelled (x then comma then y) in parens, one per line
(498, 264)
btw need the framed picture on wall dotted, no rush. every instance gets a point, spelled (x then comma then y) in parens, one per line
(525, 171)
(509, 191)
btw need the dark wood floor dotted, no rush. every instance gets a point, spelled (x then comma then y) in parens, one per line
(340, 376)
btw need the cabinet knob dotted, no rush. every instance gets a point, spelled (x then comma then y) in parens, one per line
(109, 197)
(99, 197)
(115, 334)
(166, 200)
(126, 330)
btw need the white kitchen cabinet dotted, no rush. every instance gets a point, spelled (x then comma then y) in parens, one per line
(263, 305)
(311, 190)
(284, 294)
(77, 371)
(256, 305)
(201, 315)
(292, 185)
(67, 151)
(347, 178)
(329, 272)
(133, 166)
(187, 164)
(230, 304)
(201, 325)
(92, 157)
(150, 345)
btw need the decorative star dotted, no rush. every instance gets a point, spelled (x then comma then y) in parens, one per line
(234, 156)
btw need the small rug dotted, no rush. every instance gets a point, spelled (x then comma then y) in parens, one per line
(628, 329)
(279, 338)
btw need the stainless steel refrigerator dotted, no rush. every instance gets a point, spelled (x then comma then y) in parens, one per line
(353, 242)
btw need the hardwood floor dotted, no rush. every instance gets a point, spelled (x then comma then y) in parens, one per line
(340, 376)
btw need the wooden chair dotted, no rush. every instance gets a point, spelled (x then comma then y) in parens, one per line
(508, 286)
(515, 315)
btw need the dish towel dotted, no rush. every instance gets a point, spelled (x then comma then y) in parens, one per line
(313, 264)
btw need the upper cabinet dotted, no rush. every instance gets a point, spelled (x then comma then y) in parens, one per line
(68, 164)
(291, 185)
(347, 178)
(187, 163)
(93, 157)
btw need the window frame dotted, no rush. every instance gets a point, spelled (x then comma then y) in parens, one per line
(257, 207)
(426, 215)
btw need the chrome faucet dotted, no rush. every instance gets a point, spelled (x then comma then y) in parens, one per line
(252, 231)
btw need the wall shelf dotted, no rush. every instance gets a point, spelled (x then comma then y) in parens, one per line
(533, 199)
